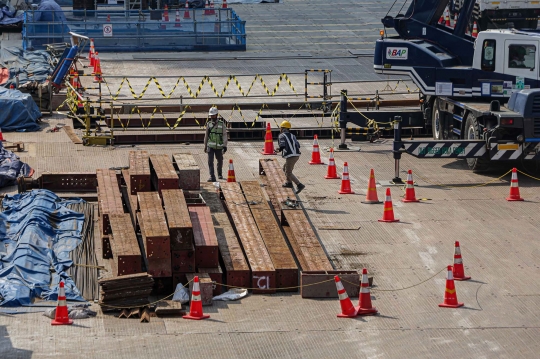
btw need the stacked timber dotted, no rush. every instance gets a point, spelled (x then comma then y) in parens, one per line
(125, 291)
(305, 244)
(286, 268)
(236, 270)
(109, 203)
(163, 174)
(189, 173)
(263, 273)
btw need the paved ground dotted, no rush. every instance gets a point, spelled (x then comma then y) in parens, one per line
(500, 318)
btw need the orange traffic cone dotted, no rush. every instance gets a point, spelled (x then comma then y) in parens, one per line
(371, 195)
(364, 300)
(347, 308)
(450, 295)
(514, 188)
(410, 195)
(455, 20)
(76, 82)
(458, 271)
(388, 214)
(345, 181)
(268, 142)
(230, 175)
(97, 69)
(441, 19)
(91, 52)
(212, 11)
(315, 154)
(447, 17)
(195, 309)
(207, 7)
(71, 75)
(186, 11)
(61, 316)
(224, 4)
(166, 13)
(332, 172)
(177, 19)
(1, 136)
(475, 30)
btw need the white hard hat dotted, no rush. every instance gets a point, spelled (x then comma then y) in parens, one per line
(213, 111)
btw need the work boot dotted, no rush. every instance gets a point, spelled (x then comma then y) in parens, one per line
(299, 188)
(211, 179)
(287, 185)
(220, 177)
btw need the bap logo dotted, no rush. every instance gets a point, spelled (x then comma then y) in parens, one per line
(397, 53)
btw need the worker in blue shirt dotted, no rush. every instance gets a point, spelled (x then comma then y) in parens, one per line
(290, 150)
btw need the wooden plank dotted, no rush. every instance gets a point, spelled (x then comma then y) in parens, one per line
(178, 219)
(109, 197)
(305, 244)
(204, 237)
(163, 174)
(139, 171)
(72, 135)
(286, 268)
(236, 268)
(124, 244)
(189, 172)
(155, 234)
(263, 273)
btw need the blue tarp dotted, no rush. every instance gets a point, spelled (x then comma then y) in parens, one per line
(9, 17)
(30, 66)
(12, 167)
(19, 111)
(37, 233)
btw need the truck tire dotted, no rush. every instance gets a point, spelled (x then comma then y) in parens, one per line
(437, 122)
(472, 132)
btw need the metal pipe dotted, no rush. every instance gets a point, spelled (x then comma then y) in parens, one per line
(396, 151)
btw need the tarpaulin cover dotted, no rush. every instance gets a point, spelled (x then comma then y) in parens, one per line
(37, 232)
(29, 65)
(8, 17)
(19, 111)
(12, 167)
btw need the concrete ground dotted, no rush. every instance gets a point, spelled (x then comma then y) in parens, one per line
(498, 238)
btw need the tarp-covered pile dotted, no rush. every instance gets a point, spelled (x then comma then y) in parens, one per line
(12, 167)
(37, 232)
(19, 111)
(8, 17)
(32, 67)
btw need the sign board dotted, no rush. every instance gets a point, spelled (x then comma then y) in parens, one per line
(444, 89)
(107, 30)
(397, 53)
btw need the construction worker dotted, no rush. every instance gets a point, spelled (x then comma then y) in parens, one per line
(290, 150)
(215, 143)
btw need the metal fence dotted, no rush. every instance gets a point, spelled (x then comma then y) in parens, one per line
(179, 30)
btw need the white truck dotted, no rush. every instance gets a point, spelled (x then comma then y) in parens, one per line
(502, 14)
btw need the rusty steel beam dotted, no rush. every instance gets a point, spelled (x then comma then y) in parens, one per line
(129, 199)
(125, 138)
(204, 237)
(263, 273)
(189, 173)
(110, 198)
(139, 172)
(163, 174)
(286, 268)
(68, 182)
(216, 275)
(125, 247)
(306, 246)
(237, 272)
(178, 219)
(155, 234)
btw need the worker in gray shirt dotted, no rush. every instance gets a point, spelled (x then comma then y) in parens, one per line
(290, 150)
(215, 143)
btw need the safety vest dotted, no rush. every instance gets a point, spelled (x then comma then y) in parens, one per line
(215, 136)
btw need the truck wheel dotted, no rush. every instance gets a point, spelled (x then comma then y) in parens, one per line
(472, 132)
(437, 122)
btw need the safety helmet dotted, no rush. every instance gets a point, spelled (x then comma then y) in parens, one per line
(213, 111)
(285, 124)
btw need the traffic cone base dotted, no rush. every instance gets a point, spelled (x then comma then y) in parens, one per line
(345, 181)
(331, 173)
(61, 315)
(347, 308)
(268, 148)
(450, 296)
(315, 154)
(189, 316)
(388, 214)
(514, 188)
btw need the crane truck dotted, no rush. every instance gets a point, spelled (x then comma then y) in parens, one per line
(479, 96)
